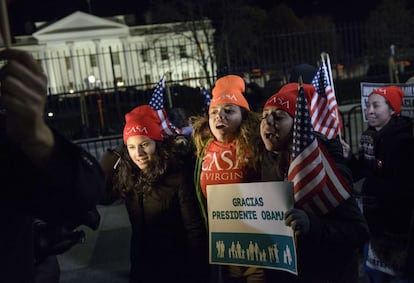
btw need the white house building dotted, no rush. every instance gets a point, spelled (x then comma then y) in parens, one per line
(83, 51)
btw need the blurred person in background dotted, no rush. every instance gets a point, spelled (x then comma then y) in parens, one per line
(384, 163)
(44, 175)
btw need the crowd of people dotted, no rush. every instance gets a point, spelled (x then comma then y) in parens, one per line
(163, 180)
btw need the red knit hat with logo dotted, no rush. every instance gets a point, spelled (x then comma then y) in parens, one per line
(229, 89)
(393, 94)
(285, 98)
(142, 121)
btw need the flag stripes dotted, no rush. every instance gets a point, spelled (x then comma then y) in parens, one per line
(157, 103)
(323, 106)
(318, 185)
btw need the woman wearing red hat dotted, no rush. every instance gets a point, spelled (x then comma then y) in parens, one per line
(228, 146)
(386, 153)
(168, 240)
(327, 244)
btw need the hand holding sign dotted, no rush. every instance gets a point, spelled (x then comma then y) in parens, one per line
(298, 220)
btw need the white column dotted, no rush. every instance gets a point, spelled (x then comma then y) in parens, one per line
(51, 74)
(77, 81)
(128, 60)
(101, 63)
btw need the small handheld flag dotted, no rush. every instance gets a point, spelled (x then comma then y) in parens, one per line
(157, 103)
(318, 185)
(324, 108)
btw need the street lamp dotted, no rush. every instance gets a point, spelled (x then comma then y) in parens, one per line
(91, 80)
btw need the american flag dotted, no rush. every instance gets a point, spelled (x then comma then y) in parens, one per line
(318, 186)
(207, 97)
(157, 103)
(324, 108)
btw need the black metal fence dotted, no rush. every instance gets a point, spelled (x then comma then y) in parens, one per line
(353, 125)
(98, 146)
(357, 52)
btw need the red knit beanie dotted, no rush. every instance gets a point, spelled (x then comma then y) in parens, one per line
(229, 89)
(142, 121)
(393, 94)
(285, 98)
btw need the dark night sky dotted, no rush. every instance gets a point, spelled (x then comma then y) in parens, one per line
(24, 11)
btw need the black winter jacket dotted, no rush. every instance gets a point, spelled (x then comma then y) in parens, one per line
(385, 161)
(64, 192)
(169, 240)
(168, 237)
(330, 250)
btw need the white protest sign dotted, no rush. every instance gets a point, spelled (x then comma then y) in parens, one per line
(407, 108)
(246, 225)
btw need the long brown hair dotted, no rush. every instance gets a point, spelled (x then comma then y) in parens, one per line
(129, 178)
(248, 140)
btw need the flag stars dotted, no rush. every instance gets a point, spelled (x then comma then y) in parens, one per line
(307, 159)
(157, 103)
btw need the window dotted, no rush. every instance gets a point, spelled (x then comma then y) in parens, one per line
(92, 59)
(144, 55)
(164, 53)
(148, 79)
(183, 51)
(67, 63)
(115, 58)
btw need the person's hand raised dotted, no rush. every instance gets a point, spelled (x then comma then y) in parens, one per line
(23, 94)
(23, 90)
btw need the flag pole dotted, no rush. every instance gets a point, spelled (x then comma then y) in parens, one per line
(167, 90)
(300, 82)
(4, 24)
(328, 66)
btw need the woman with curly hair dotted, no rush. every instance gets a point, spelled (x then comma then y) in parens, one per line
(168, 236)
(227, 145)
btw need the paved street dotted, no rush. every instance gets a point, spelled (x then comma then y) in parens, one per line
(104, 257)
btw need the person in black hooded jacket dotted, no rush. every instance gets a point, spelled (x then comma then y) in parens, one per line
(385, 157)
(44, 175)
(328, 244)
